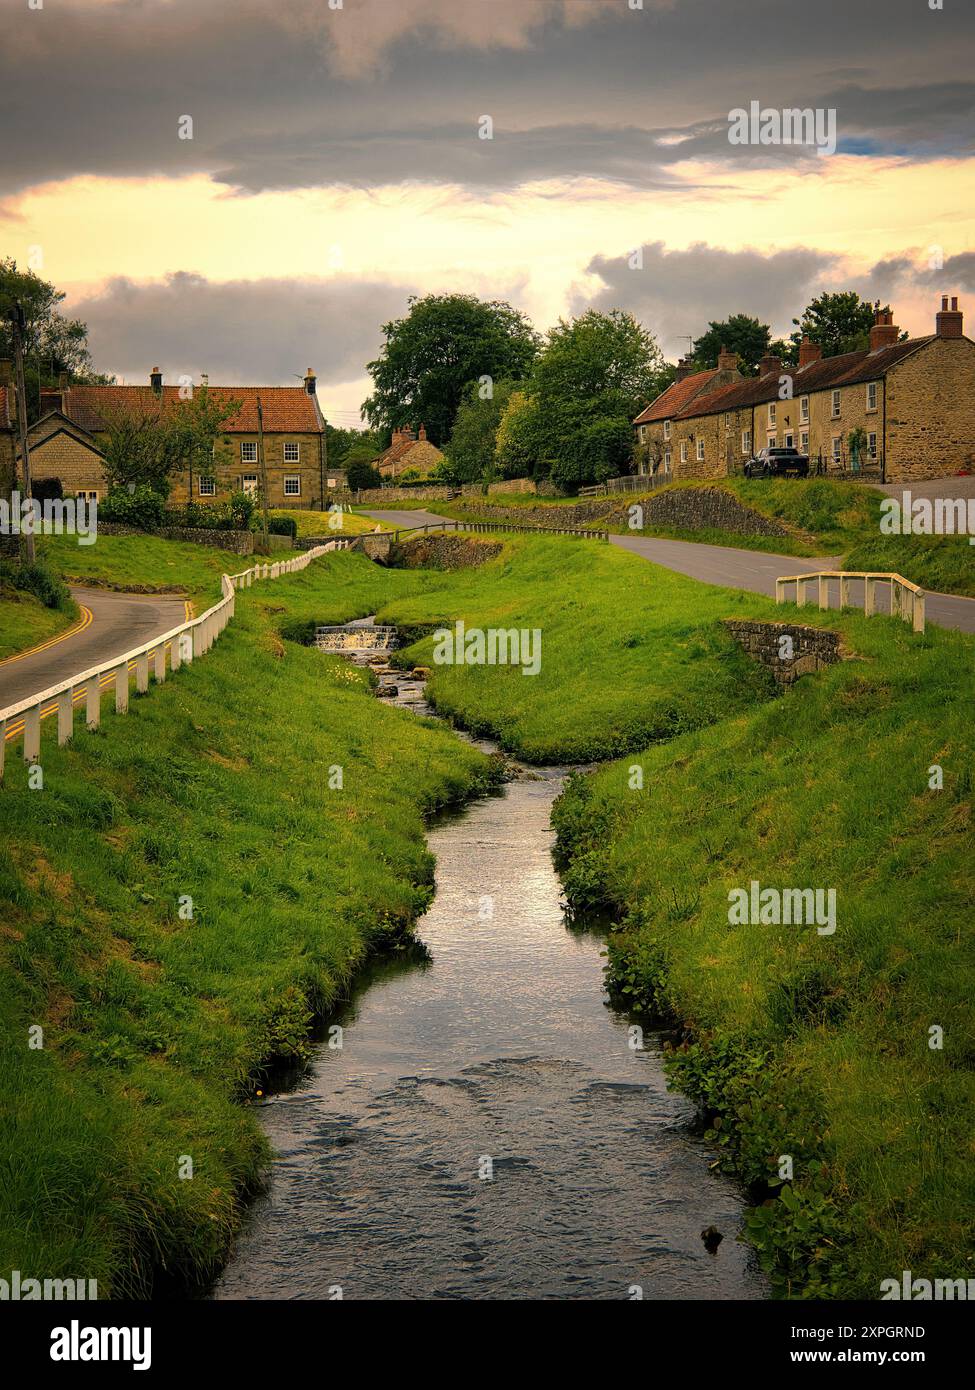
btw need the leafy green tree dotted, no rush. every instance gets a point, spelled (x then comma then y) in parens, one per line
(53, 343)
(474, 436)
(146, 445)
(520, 444)
(595, 373)
(360, 474)
(432, 355)
(837, 322)
(739, 333)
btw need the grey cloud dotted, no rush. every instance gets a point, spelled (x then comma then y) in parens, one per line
(676, 293)
(101, 89)
(240, 332)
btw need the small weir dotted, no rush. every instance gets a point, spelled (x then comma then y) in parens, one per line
(487, 1130)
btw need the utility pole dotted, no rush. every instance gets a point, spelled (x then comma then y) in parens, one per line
(19, 324)
(261, 460)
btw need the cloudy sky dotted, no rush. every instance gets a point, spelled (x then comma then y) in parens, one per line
(336, 167)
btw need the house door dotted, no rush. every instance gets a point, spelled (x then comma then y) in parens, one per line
(249, 484)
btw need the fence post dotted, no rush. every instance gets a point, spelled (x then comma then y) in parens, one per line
(823, 591)
(919, 611)
(780, 591)
(801, 591)
(65, 716)
(845, 592)
(122, 688)
(142, 673)
(159, 666)
(869, 596)
(93, 702)
(32, 734)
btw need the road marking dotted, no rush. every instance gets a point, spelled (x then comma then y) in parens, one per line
(85, 621)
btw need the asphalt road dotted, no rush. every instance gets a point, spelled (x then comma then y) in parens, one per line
(742, 569)
(118, 623)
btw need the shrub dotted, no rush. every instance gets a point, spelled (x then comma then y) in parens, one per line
(38, 580)
(139, 506)
(280, 526)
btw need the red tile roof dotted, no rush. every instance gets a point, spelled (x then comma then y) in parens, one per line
(827, 373)
(676, 396)
(287, 409)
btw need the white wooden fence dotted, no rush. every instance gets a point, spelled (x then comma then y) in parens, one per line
(906, 599)
(183, 645)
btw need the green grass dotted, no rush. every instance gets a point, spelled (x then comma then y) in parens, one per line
(815, 1046)
(941, 564)
(146, 564)
(630, 652)
(216, 786)
(25, 621)
(311, 523)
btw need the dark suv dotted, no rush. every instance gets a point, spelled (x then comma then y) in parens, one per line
(776, 462)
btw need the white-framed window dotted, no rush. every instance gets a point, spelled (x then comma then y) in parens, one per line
(836, 405)
(248, 451)
(872, 445)
(804, 410)
(771, 416)
(643, 434)
(667, 460)
(804, 441)
(727, 419)
(683, 451)
(746, 441)
(837, 448)
(771, 441)
(207, 486)
(292, 451)
(871, 395)
(248, 484)
(292, 484)
(666, 429)
(700, 448)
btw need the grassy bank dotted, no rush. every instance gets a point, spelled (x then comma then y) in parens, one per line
(157, 1025)
(631, 653)
(808, 1045)
(25, 622)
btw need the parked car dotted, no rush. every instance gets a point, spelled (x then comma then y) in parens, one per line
(777, 462)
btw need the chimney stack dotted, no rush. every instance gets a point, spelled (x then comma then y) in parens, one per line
(311, 382)
(770, 366)
(422, 432)
(155, 380)
(684, 368)
(809, 352)
(950, 323)
(885, 332)
(727, 361)
(64, 381)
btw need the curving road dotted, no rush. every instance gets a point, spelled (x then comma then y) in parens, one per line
(740, 569)
(118, 622)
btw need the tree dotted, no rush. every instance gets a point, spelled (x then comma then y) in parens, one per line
(519, 449)
(474, 436)
(739, 333)
(432, 355)
(837, 322)
(53, 343)
(360, 474)
(595, 373)
(146, 445)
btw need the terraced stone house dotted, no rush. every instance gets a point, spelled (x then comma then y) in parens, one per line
(914, 402)
(67, 441)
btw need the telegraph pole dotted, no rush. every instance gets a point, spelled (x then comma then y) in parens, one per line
(19, 324)
(261, 460)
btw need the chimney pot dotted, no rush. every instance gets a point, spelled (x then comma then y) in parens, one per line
(950, 322)
(809, 352)
(155, 380)
(770, 366)
(884, 332)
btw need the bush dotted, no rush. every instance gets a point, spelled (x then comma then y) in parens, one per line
(280, 526)
(140, 507)
(38, 580)
(360, 475)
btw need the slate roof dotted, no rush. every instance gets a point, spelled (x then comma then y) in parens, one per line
(824, 375)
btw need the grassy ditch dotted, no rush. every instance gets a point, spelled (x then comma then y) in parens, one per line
(816, 1046)
(159, 1025)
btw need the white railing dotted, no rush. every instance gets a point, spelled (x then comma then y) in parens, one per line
(184, 644)
(906, 599)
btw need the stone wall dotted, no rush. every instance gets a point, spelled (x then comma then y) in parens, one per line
(573, 514)
(811, 647)
(383, 496)
(703, 509)
(443, 552)
(930, 412)
(240, 542)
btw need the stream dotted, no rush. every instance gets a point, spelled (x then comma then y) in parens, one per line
(485, 1130)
